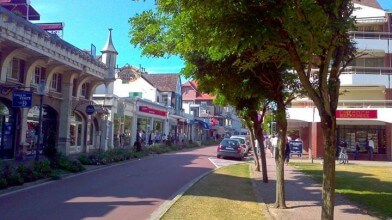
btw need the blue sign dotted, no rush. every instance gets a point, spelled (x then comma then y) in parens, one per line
(296, 147)
(90, 109)
(22, 99)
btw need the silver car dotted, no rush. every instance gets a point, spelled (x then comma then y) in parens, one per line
(230, 148)
(244, 140)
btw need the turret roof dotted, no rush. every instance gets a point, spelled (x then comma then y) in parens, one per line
(109, 47)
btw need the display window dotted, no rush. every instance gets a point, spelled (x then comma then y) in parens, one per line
(361, 134)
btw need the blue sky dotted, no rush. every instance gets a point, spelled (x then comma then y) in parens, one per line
(87, 22)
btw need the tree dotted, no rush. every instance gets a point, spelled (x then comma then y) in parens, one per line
(313, 34)
(241, 90)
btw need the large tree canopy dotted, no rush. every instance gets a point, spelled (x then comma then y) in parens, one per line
(309, 35)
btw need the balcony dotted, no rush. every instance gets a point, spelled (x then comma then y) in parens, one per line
(371, 20)
(367, 70)
(371, 35)
(348, 104)
(176, 112)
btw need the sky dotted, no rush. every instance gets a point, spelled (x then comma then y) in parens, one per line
(87, 22)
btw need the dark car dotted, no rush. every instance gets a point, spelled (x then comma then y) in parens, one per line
(230, 148)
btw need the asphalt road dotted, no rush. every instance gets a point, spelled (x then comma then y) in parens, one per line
(131, 190)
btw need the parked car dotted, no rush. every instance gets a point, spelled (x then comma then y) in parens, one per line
(230, 148)
(244, 140)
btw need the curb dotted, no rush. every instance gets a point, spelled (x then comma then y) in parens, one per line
(158, 213)
(256, 189)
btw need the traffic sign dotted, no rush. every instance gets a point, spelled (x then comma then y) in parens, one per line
(22, 99)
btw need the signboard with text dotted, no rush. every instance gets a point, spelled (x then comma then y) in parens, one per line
(366, 114)
(296, 147)
(22, 99)
(149, 110)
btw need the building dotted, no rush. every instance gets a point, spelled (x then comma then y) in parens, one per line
(365, 103)
(147, 103)
(209, 118)
(41, 73)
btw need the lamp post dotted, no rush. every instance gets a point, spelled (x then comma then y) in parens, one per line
(41, 93)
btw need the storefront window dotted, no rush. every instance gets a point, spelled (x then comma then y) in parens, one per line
(350, 134)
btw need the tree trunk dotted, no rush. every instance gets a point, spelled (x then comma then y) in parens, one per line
(258, 129)
(252, 142)
(281, 123)
(329, 128)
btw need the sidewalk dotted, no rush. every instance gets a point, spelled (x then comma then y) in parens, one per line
(303, 196)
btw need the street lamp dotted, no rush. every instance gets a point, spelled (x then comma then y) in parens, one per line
(41, 93)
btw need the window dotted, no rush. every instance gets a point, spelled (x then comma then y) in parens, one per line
(165, 100)
(369, 62)
(56, 82)
(85, 90)
(39, 74)
(75, 88)
(13, 70)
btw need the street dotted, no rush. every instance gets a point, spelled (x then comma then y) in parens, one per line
(130, 190)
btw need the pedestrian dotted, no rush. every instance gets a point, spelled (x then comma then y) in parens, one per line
(371, 148)
(138, 145)
(357, 148)
(287, 152)
(274, 145)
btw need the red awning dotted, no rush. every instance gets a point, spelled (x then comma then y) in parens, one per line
(20, 7)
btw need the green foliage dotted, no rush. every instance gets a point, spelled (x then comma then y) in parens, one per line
(42, 168)
(26, 173)
(3, 182)
(84, 159)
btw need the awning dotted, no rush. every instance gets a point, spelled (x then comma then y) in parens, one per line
(203, 124)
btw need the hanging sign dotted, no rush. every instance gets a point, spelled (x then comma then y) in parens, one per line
(90, 109)
(22, 99)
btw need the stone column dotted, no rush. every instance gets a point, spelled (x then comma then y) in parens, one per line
(134, 129)
(63, 141)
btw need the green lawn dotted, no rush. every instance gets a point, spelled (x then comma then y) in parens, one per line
(367, 186)
(226, 193)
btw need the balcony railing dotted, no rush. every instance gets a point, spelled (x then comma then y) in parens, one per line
(348, 104)
(367, 70)
(372, 20)
(371, 35)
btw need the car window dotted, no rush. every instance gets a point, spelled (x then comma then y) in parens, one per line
(242, 141)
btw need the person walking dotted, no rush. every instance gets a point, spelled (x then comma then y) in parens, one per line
(371, 148)
(287, 152)
(274, 145)
(357, 148)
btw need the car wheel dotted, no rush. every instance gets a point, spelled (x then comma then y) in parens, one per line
(218, 156)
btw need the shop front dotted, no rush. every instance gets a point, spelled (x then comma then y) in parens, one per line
(7, 125)
(353, 126)
(150, 120)
(49, 129)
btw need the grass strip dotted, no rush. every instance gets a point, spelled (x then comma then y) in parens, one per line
(226, 193)
(367, 186)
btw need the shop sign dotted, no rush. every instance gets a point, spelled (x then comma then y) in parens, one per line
(22, 99)
(368, 114)
(128, 74)
(90, 109)
(149, 110)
